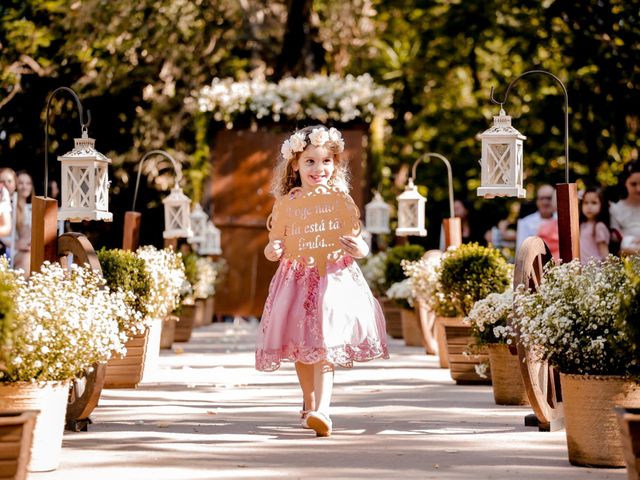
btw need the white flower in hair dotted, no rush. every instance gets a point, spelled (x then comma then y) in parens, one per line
(336, 137)
(297, 142)
(318, 137)
(285, 150)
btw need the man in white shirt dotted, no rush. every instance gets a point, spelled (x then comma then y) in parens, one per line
(529, 225)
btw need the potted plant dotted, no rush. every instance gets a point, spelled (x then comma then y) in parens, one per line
(490, 329)
(168, 282)
(467, 274)
(63, 323)
(210, 275)
(398, 289)
(423, 278)
(583, 320)
(126, 271)
(446, 314)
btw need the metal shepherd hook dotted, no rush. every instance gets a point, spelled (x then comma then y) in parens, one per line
(176, 167)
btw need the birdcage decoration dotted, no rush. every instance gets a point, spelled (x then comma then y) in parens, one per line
(177, 214)
(377, 215)
(211, 244)
(502, 160)
(411, 212)
(198, 224)
(85, 183)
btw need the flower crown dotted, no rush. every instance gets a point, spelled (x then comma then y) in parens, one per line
(318, 138)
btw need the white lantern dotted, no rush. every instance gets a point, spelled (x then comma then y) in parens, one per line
(502, 160)
(211, 245)
(85, 183)
(377, 215)
(198, 224)
(177, 218)
(411, 212)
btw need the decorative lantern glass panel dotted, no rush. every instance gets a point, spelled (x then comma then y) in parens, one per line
(502, 160)
(211, 245)
(85, 183)
(198, 224)
(411, 212)
(377, 215)
(177, 215)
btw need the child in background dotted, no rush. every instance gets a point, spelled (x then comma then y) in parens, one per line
(317, 321)
(594, 226)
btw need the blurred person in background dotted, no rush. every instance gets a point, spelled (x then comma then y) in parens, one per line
(8, 183)
(22, 250)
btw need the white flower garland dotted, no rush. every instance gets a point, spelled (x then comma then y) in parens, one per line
(319, 97)
(318, 137)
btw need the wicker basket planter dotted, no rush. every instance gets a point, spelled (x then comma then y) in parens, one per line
(168, 331)
(50, 399)
(411, 331)
(593, 436)
(506, 379)
(127, 372)
(462, 365)
(185, 326)
(392, 317)
(629, 420)
(16, 439)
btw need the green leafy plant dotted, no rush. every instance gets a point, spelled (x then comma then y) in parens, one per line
(471, 272)
(125, 270)
(394, 274)
(583, 318)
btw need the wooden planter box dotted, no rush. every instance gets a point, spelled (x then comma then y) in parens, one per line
(16, 439)
(185, 326)
(629, 420)
(168, 331)
(127, 372)
(209, 309)
(198, 319)
(462, 366)
(392, 317)
(411, 331)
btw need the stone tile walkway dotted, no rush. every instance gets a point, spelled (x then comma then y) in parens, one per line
(207, 414)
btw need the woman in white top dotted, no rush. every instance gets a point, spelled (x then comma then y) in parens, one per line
(625, 215)
(22, 258)
(8, 183)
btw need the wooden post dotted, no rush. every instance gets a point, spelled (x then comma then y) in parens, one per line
(452, 232)
(131, 231)
(568, 221)
(171, 243)
(44, 232)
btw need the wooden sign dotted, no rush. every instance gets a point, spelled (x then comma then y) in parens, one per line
(311, 223)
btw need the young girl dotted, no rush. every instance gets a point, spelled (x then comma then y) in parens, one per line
(625, 214)
(317, 321)
(594, 226)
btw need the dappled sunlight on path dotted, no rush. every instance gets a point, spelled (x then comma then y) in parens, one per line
(207, 414)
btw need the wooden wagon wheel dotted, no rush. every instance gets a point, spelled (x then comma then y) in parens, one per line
(85, 391)
(541, 382)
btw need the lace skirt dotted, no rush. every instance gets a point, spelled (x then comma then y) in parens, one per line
(308, 318)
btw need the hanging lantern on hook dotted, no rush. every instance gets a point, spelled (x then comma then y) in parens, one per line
(198, 224)
(411, 207)
(502, 160)
(377, 215)
(177, 215)
(85, 182)
(211, 244)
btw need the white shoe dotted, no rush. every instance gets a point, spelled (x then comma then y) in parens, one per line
(320, 423)
(304, 414)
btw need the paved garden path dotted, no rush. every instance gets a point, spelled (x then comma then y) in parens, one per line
(207, 414)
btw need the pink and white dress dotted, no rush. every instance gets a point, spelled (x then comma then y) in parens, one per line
(308, 318)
